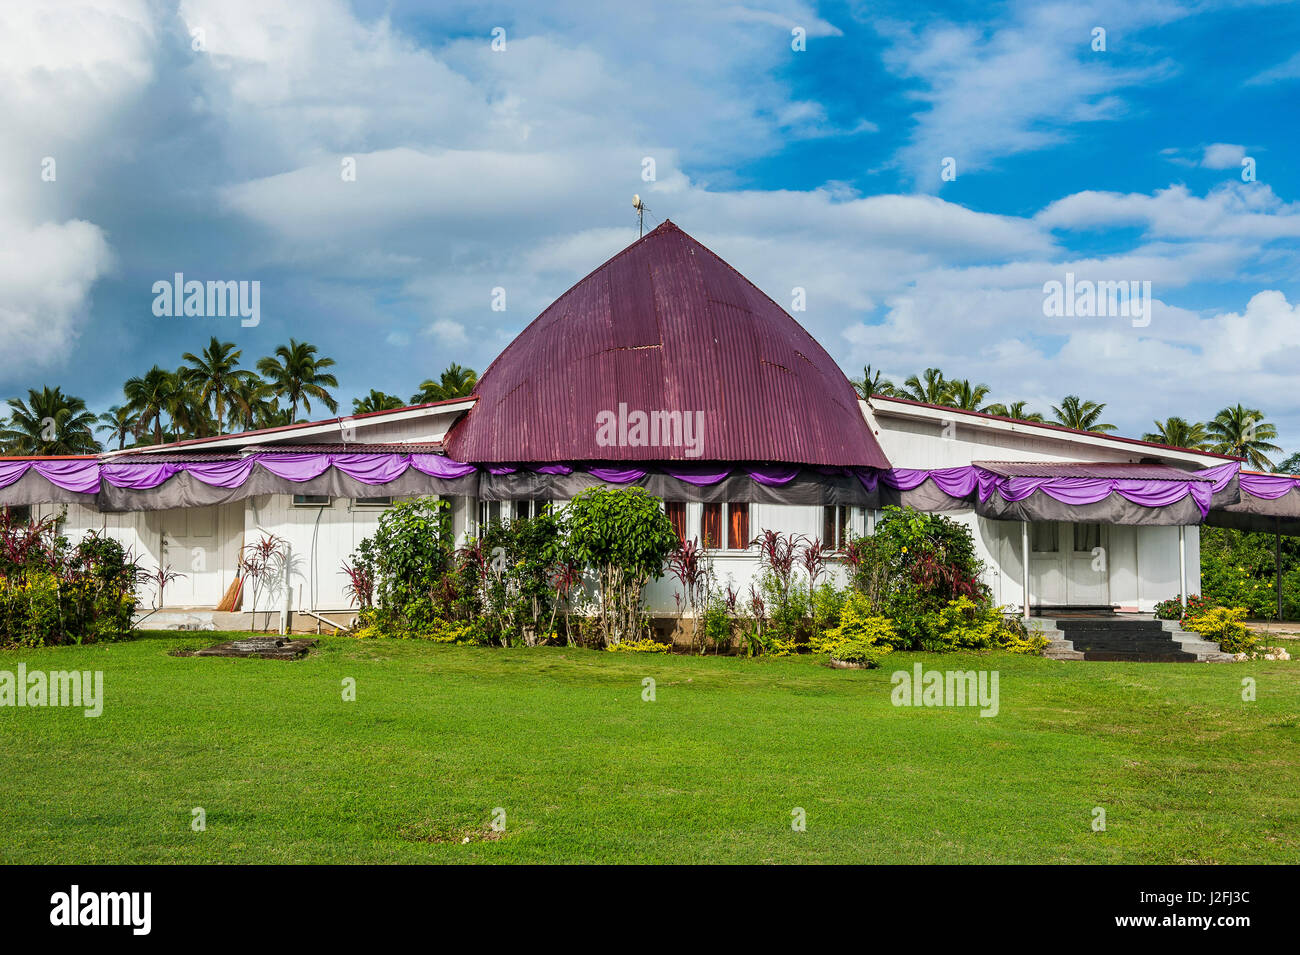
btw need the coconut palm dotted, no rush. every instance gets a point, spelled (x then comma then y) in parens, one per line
(120, 422)
(931, 387)
(148, 396)
(962, 394)
(188, 414)
(454, 382)
(216, 374)
(1179, 433)
(1243, 433)
(1014, 410)
(1080, 415)
(872, 383)
(49, 422)
(295, 374)
(376, 401)
(1290, 466)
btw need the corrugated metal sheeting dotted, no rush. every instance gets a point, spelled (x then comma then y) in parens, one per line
(1088, 469)
(666, 326)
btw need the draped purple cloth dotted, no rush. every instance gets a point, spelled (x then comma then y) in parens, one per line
(79, 476)
(84, 476)
(963, 481)
(1269, 487)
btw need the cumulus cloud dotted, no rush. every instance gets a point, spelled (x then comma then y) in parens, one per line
(1223, 156)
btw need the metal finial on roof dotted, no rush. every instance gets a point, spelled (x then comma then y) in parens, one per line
(641, 210)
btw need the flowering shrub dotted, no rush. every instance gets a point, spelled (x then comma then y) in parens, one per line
(1224, 626)
(643, 645)
(1172, 609)
(862, 637)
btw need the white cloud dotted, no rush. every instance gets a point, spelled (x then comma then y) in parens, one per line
(46, 272)
(1223, 156)
(1288, 69)
(1016, 86)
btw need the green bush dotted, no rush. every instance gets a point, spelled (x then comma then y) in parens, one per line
(862, 636)
(623, 538)
(1224, 626)
(53, 594)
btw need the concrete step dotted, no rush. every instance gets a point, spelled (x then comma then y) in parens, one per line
(1112, 623)
(1120, 656)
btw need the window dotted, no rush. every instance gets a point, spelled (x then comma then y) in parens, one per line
(711, 526)
(489, 512)
(738, 526)
(311, 500)
(373, 502)
(676, 511)
(1043, 537)
(527, 510)
(1087, 537)
(835, 527)
(19, 513)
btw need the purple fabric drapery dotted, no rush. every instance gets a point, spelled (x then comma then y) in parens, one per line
(962, 482)
(1268, 487)
(79, 476)
(84, 476)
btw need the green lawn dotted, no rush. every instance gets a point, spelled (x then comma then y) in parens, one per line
(587, 772)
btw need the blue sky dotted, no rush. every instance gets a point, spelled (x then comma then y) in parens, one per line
(816, 169)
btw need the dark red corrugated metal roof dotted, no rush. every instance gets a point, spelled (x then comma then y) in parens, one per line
(666, 325)
(1088, 469)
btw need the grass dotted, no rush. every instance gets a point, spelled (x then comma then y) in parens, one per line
(439, 736)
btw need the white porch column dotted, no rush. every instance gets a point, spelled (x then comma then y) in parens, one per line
(1182, 565)
(1024, 566)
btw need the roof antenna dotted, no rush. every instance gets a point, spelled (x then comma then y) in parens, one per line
(641, 210)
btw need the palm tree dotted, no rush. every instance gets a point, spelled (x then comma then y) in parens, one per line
(376, 401)
(1243, 433)
(1080, 415)
(871, 383)
(962, 394)
(1179, 433)
(295, 375)
(931, 387)
(454, 382)
(251, 400)
(120, 422)
(216, 374)
(148, 396)
(187, 411)
(1015, 410)
(49, 422)
(1290, 466)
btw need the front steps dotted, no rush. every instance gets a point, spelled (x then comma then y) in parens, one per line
(1134, 638)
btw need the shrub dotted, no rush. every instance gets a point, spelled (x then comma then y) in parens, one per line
(53, 594)
(1172, 609)
(640, 645)
(514, 566)
(1224, 626)
(861, 637)
(623, 537)
(408, 564)
(912, 568)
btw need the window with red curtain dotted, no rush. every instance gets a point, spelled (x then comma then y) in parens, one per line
(676, 511)
(738, 526)
(711, 526)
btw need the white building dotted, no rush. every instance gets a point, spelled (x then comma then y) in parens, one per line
(667, 369)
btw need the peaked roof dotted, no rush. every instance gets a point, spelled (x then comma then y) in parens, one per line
(665, 326)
